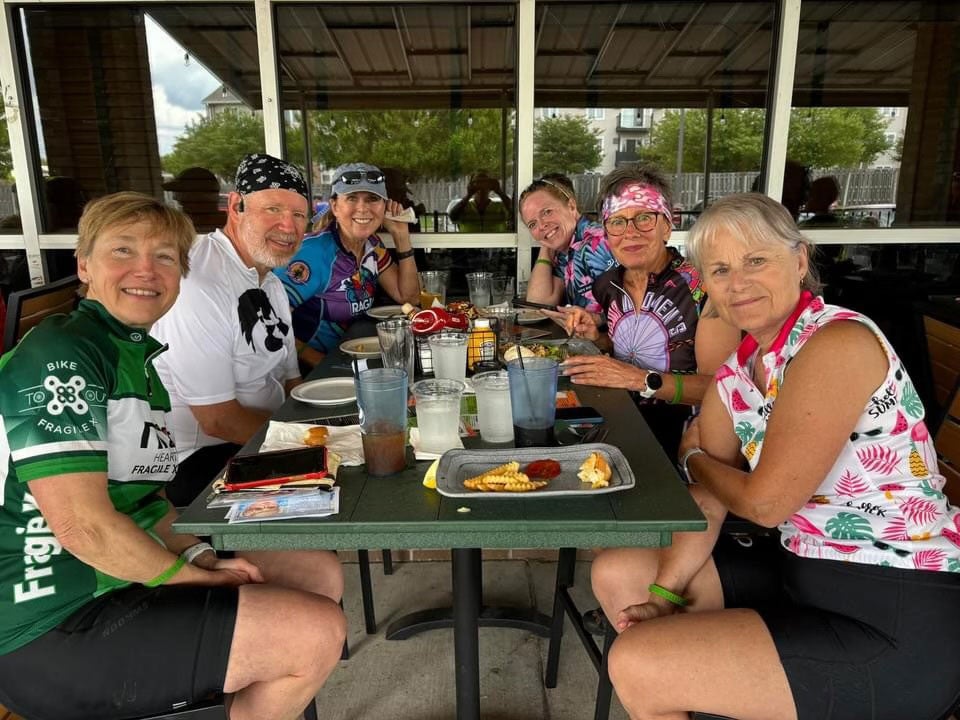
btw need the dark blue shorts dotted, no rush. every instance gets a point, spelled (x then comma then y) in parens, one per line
(133, 652)
(858, 642)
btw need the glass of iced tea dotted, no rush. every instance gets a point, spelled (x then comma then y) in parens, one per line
(382, 400)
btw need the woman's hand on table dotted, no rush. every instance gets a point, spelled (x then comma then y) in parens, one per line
(602, 371)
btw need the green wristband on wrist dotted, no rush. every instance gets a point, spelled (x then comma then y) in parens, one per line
(678, 600)
(543, 261)
(168, 573)
(677, 388)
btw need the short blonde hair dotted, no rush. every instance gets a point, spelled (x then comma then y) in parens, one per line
(126, 208)
(758, 220)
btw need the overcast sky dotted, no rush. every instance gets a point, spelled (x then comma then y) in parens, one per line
(178, 87)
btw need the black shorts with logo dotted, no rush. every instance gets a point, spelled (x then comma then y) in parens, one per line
(856, 641)
(133, 652)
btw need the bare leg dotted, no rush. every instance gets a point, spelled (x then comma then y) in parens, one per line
(620, 578)
(285, 644)
(316, 571)
(721, 662)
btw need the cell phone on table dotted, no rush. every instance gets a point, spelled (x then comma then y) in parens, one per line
(581, 414)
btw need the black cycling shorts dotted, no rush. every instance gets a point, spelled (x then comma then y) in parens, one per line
(856, 641)
(137, 651)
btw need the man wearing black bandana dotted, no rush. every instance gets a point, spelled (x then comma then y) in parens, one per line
(232, 356)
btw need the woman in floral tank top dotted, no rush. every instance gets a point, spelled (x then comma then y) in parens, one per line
(812, 427)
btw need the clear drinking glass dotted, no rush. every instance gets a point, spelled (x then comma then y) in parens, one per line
(382, 400)
(438, 414)
(397, 345)
(479, 285)
(533, 400)
(449, 355)
(433, 285)
(501, 289)
(494, 414)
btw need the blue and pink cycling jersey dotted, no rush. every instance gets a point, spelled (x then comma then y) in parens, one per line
(327, 287)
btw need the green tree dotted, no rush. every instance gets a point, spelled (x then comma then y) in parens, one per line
(836, 137)
(216, 143)
(819, 138)
(424, 143)
(566, 145)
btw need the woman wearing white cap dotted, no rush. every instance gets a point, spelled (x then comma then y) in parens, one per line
(334, 276)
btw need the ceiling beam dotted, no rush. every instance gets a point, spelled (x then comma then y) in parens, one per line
(606, 41)
(677, 39)
(399, 22)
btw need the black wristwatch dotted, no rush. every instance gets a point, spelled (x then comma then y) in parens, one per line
(654, 382)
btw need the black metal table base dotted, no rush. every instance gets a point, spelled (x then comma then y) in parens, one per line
(440, 618)
(465, 617)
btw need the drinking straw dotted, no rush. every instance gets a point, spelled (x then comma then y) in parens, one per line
(526, 386)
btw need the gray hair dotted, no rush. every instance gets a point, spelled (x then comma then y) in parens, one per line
(758, 220)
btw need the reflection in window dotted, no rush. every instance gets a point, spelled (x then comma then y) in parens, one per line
(425, 92)
(130, 98)
(865, 77)
(703, 72)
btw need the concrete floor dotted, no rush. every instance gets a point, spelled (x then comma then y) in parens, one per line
(413, 679)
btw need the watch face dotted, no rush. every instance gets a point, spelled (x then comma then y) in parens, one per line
(654, 381)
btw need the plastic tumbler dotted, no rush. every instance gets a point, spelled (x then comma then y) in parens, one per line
(533, 400)
(433, 285)
(438, 414)
(397, 345)
(449, 355)
(479, 285)
(501, 289)
(382, 400)
(493, 406)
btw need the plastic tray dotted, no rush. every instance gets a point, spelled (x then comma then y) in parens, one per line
(459, 465)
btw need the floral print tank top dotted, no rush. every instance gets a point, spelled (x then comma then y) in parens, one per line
(882, 502)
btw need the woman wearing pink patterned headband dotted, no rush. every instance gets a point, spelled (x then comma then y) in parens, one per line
(573, 249)
(659, 329)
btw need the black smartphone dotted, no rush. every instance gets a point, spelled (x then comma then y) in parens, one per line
(581, 414)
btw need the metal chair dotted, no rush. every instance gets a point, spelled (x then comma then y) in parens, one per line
(26, 308)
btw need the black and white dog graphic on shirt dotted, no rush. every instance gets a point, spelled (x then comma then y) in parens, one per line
(254, 308)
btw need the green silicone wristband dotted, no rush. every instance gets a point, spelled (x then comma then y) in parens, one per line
(677, 388)
(168, 573)
(667, 595)
(544, 261)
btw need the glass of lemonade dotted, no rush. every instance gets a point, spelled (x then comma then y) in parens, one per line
(449, 355)
(438, 414)
(494, 414)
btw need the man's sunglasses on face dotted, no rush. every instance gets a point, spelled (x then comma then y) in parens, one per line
(355, 177)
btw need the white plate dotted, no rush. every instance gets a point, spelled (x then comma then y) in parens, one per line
(326, 391)
(530, 316)
(385, 312)
(365, 347)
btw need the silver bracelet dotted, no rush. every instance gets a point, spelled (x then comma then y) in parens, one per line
(688, 478)
(195, 551)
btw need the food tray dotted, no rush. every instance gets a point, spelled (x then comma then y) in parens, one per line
(459, 465)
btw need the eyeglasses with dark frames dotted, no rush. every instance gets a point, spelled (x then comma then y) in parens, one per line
(644, 222)
(355, 177)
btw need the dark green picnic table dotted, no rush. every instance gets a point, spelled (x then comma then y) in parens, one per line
(399, 512)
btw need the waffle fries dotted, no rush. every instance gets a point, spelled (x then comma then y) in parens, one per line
(504, 478)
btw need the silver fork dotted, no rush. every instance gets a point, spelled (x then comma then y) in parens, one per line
(598, 433)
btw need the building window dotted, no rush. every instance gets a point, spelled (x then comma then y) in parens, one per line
(596, 113)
